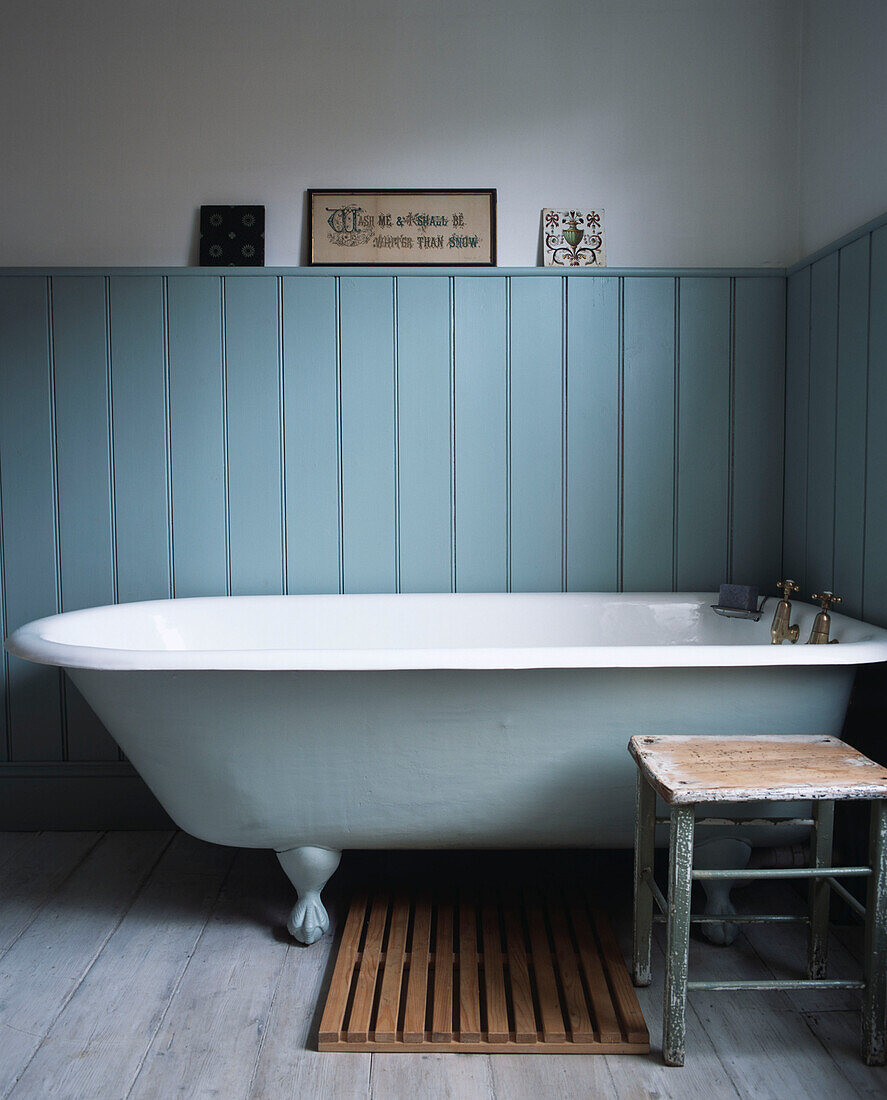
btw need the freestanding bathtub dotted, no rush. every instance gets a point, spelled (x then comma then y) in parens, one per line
(309, 724)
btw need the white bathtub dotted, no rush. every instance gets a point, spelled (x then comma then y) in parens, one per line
(309, 724)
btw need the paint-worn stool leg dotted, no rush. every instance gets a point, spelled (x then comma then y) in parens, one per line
(644, 837)
(820, 893)
(678, 938)
(874, 997)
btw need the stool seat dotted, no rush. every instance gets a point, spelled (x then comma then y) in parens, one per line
(698, 768)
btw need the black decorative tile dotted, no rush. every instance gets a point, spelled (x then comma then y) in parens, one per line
(232, 236)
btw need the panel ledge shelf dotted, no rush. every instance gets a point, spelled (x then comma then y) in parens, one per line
(404, 272)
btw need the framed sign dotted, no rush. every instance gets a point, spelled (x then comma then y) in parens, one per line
(420, 228)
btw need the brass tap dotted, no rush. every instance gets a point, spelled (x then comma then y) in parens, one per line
(782, 628)
(822, 622)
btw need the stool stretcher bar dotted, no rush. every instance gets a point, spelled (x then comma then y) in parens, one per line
(842, 891)
(785, 872)
(744, 821)
(741, 918)
(781, 983)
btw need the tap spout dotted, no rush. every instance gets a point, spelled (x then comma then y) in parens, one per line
(781, 627)
(819, 635)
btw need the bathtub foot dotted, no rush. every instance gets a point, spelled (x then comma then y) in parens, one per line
(309, 870)
(727, 855)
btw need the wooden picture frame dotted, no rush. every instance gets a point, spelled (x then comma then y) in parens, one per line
(402, 228)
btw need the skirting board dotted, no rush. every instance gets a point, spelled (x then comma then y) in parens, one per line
(77, 796)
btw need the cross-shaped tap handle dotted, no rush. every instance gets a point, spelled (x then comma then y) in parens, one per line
(826, 599)
(788, 587)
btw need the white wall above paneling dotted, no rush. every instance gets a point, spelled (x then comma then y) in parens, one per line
(120, 117)
(843, 118)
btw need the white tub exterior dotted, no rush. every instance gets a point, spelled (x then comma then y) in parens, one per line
(431, 720)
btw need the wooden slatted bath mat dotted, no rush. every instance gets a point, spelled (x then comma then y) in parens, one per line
(498, 974)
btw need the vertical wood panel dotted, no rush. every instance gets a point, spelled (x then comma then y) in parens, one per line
(253, 454)
(27, 469)
(141, 474)
(797, 390)
(648, 471)
(536, 423)
(200, 566)
(593, 434)
(481, 477)
(703, 434)
(821, 434)
(368, 438)
(4, 656)
(853, 308)
(424, 434)
(311, 435)
(875, 594)
(759, 430)
(86, 545)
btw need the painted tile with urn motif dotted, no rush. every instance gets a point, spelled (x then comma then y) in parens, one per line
(574, 238)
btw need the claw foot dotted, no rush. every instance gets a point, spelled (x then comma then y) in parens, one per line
(725, 854)
(308, 869)
(309, 919)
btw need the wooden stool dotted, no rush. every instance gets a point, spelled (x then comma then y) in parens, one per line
(688, 770)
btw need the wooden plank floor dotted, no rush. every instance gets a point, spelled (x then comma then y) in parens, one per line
(153, 965)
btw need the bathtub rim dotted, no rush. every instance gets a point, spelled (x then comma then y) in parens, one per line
(29, 643)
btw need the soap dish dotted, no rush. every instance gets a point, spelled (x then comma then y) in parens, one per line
(739, 612)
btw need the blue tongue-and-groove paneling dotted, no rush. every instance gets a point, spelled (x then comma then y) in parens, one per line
(836, 443)
(181, 434)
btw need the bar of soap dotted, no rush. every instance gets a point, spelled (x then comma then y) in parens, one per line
(744, 597)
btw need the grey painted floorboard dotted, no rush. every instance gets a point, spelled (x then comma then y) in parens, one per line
(96, 1046)
(287, 1067)
(211, 1034)
(43, 968)
(142, 968)
(31, 875)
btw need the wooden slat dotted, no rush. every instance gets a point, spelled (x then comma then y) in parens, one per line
(546, 983)
(442, 1011)
(562, 972)
(389, 996)
(361, 1009)
(568, 967)
(605, 1018)
(494, 976)
(332, 1022)
(525, 1030)
(634, 1027)
(469, 1004)
(417, 980)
